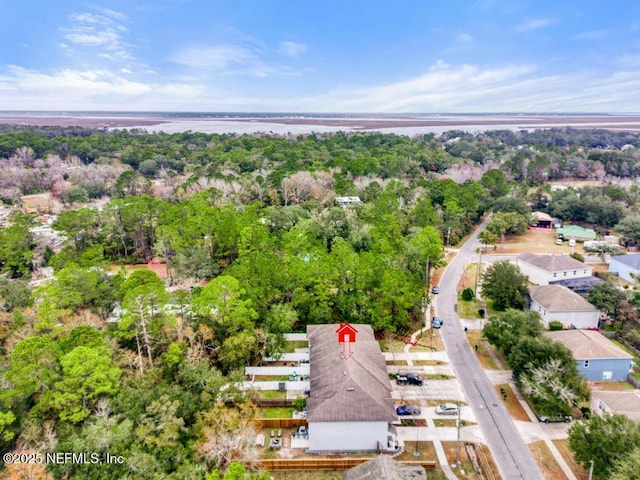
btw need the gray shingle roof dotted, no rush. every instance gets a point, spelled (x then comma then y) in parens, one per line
(625, 403)
(553, 262)
(557, 298)
(632, 260)
(353, 390)
(587, 344)
(385, 468)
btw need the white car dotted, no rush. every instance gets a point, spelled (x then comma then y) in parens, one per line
(447, 409)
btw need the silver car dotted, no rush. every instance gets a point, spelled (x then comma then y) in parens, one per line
(447, 409)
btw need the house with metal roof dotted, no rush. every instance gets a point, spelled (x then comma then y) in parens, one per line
(576, 232)
(349, 407)
(555, 303)
(597, 358)
(546, 269)
(625, 266)
(616, 402)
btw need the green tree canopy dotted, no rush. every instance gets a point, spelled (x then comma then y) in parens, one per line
(505, 285)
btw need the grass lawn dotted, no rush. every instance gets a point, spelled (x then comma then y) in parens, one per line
(400, 363)
(612, 386)
(276, 412)
(306, 475)
(512, 404)
(291, 346)
(578, 470)
(546, 461)
(474, 338)
(535, 241)
(424, 363)
(271, 394)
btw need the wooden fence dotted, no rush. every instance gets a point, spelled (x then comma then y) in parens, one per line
(272, 464)
(280, 422)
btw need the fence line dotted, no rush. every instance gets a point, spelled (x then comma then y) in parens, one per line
(272, 464)
(280, 422)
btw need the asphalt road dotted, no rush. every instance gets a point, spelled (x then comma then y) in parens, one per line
(510, 452)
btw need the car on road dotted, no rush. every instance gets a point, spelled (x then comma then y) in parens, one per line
(447, 409)
(408, 410)
(436, 322)
(409, 379)
(554, 418)
(435, 290)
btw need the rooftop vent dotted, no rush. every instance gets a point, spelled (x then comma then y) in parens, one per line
(350, 389)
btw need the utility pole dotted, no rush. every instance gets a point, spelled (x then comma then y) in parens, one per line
(478, 271)
(417, 452)
(458, 440)
(425, 306)
(448, 233)
(591, 470)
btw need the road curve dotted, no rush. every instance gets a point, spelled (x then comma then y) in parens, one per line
(511, 454)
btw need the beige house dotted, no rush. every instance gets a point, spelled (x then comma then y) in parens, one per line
(618, 402)
(546, 269)
(555, 303)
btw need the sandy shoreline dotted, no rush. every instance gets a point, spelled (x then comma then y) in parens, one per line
(407, 125)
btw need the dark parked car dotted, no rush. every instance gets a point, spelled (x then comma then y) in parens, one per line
(435, 290)
(554, 418)
(409, 378)
(408, 410)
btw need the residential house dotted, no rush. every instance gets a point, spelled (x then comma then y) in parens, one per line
(345, 202)
(576, 232)
(349, 407)
(555, 303)
(625, 266)
(385, 468)
(616, 402)
(541, 219)
(597, 358)
(546, 269)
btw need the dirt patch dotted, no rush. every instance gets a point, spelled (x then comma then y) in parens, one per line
(474, 337)
(580, 472)
(511, 403)
(546, 461)
(534, 241)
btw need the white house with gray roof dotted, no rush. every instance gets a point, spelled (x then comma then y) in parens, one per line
(349, 406)
(555, 303)
(625, 266)
(545, 269)
(597, 357)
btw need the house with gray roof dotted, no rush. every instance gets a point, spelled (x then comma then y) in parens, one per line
(616, 402)
(625, 266)
(555, 303)
(545, 269)
(385, 468)
(597, 358)
(349, 407)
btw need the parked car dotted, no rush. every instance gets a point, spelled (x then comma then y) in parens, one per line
(409, 379)
(435, 290)
(554, 418)
(408, 410)
(436, 322)
(559, 241)
(447, 409)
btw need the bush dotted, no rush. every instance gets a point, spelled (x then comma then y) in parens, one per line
(299, 403)
(577, 256)
(467, 294)
(554, 326)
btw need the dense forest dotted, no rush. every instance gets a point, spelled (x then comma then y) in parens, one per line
(105, 358)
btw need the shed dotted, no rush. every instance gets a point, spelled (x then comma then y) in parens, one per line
(541, 219)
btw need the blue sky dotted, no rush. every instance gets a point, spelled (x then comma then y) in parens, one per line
(390, 56)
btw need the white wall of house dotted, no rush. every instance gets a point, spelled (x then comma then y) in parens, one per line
(623, 270)
(576, 319)
(539, 276)
(347, 436)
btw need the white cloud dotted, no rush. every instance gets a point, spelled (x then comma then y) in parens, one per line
(103, 32)
(292, 49)
(591, 35)
(229, 60)
(534, 24)
(464, 38)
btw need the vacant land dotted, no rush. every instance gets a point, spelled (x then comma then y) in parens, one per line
(534, 241)
(546, 461)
